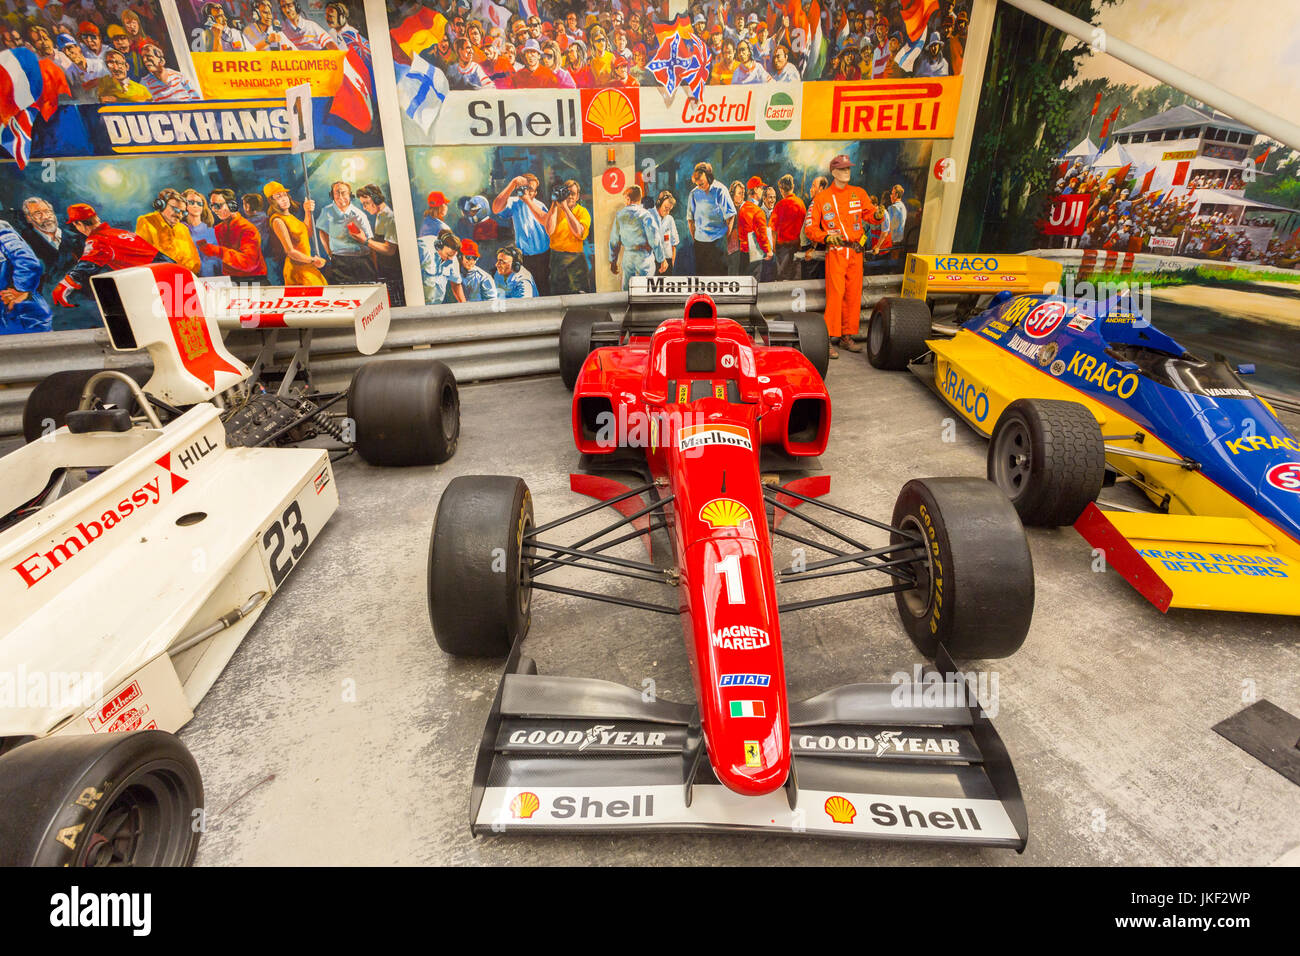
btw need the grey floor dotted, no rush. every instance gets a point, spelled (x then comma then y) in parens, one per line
(340, 733)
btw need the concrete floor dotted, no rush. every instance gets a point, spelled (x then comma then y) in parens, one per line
(341, 734)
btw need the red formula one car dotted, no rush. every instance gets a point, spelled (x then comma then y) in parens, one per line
(712, 412)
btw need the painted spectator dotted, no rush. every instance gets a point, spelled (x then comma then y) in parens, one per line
(239, 245)
(478, 284)
(513, 278)
(787, 223)
(164, 85)
(575, 60)
(200, 222)
(533, 76)
(709, 216)
(931, 62)
(783, 71)
(724, 65)
(216, 36)
(464, 73)
(518, 200)
(384, 242)
(344, 232)
(736, 258)
(601, 59)
(440, 268)
(568, 224)
(58, 249)
(118, 87)
(22, 307)
(303, 33)
(83, 74)
(751, 227)
(106, 248)
(165, 230)
(667, 226)
(634, 237)
(551, 60)
(262, 32)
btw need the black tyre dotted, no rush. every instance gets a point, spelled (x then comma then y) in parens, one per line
(575, 341)
(50, 401)
(405, 412)
(896, 332)
(128, 799)
(814, 341)
(974, 589)
(1049, 458)
(479, 594)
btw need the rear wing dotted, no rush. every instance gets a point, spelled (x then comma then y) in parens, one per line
(979, 274)
(178, 317)
(662, 290)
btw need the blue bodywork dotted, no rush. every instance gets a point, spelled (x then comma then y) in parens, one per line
(1110, 352)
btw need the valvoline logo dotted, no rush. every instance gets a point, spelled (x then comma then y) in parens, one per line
(1043, 321)
(1285, 476)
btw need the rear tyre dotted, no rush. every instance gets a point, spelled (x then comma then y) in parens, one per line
(480, 597)
(405, 412)
(50, 401)
(814, 341)
(575, 341)
(897, 332)
(974, 589)
(1049, 457)
(121, 799)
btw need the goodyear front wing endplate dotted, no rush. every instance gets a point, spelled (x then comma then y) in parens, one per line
(565, 754)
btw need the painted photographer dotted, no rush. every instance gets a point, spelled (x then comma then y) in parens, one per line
(518, 200)
(568, 224)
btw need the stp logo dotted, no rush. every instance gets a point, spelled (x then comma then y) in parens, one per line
(1043, 321)
(1285, 476)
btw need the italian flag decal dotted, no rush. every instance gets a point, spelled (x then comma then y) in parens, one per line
(747, 708)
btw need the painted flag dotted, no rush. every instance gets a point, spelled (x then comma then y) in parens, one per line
(681, 60)
(497, 15)
(1146, 181)
(747, 708)
(423, 89)
(527, 8)
(419, 31)
(816, 63)
(1259, 160)
(29, 87)
(353, 103)
(1096, 103)
(916, 16)
(1120, 173)
(1105, 127)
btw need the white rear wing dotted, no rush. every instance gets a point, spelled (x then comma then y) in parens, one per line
(178, 318)
(736, 290)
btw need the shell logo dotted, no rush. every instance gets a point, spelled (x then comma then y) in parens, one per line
(724, 513)
(524, 805)
(610, 112)
(840, 810)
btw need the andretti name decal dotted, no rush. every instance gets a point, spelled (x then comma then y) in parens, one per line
(169, 128)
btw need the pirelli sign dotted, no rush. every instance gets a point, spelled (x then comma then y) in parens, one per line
(920, 108)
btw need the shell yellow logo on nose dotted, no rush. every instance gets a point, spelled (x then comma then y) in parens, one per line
(724, 513)
(524, 805)
(611, 113)
(840, 810)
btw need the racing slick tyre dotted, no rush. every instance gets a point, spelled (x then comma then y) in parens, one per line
(119, 799)
(974, 590)
(814, 341)
(405, 412)
(575, 341)
(480, 596)
(54, 396)
(896, 332)
(1049, 458)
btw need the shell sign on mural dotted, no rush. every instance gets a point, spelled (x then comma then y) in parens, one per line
(609, 116)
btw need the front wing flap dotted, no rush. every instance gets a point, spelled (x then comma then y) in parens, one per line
(874, 761)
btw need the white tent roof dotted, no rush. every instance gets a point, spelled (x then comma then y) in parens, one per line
(1215, 197)
(1085, 149)
(1113, 158)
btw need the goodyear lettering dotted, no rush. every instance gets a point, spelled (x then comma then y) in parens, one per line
(967, 396)
(601, 737)
(966, 264)
(1261, 443)
(741, 637)
(879, 744)
(1113, 380)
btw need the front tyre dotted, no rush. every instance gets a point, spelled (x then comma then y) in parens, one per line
(1049, 457)
(119, 799)
(479, 594)
(896, 332)
(974, 591)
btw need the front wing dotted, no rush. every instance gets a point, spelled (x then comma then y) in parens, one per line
(875, 761)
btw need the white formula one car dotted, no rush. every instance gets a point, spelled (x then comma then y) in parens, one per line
(137, 550)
